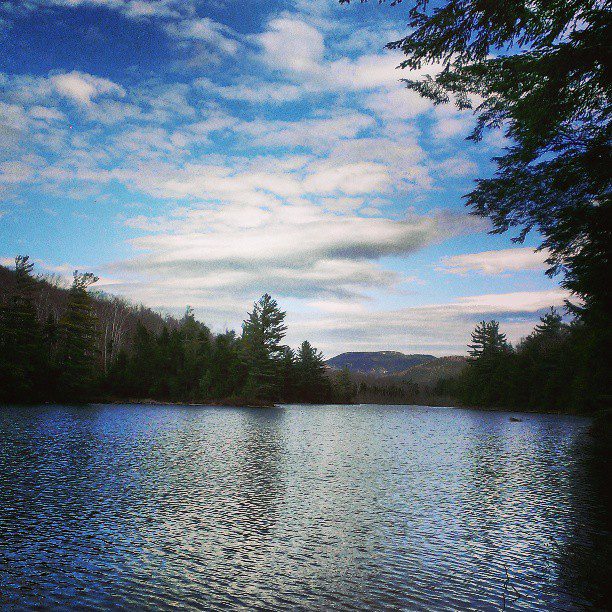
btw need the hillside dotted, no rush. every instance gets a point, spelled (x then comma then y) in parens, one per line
(431, 372)
(118, 319)
(378, 363)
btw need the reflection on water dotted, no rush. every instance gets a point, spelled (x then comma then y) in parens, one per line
(300, 507)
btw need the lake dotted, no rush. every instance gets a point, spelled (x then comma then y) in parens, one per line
(298, 507)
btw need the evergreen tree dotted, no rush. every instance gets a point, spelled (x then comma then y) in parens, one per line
(479, 341)
(541, 70)
(78, 340)
(23, 360)
(228, 370)
(550, 325)
(313, 384)
(195, 355)
(287, 375)
(143, 367)
(487, 341)
(345, 388)
(487, 380)
(262, 334)
(543, 365)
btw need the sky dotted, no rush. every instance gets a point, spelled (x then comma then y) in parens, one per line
(204, 153)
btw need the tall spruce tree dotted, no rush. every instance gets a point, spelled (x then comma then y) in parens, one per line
(196, 356)
(313, 384)
(487, 341)
(262, 334)
(550, 324)
(78, 341)
(228, 368)
(544, 364)
(23, 361)
(287, 375)
(487, 379)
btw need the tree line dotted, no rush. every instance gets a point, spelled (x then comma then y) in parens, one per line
(83, 350)
(554, 368)
(75, 345)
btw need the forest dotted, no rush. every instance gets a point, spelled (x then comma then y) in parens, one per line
(77, 345)
(556, 368)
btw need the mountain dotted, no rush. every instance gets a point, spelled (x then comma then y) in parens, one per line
(378, 363)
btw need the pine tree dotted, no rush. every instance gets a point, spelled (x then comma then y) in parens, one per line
(544, 363)
(487, 381)
(228, 370)
(78, 340)
(313, 384)
(345, 388)
(287, 375)
(487, 340)
(479, 341)
(262, 334)
(550, 324)
(22, 364)
(142, 367)
(540, 71)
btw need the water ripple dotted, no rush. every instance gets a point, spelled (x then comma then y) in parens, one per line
(301, 508)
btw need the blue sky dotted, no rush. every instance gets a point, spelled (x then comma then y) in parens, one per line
(203, 153)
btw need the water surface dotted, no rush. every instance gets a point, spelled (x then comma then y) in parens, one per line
(297, 507)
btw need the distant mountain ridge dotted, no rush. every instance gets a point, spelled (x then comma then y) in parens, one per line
(377, 363)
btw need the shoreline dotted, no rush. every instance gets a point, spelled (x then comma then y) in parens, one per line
(600, 416)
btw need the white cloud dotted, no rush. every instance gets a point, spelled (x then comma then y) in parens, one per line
(255, 91)
(294, 251)
(351, 179)
(317, 132)
(338, 307)
(495, 262)
(451, 122)
(520, 301)
(291, 45)
(15, 172)
(207, 31)
(363, 73)
(13, 116)
(441, 329)
(134, 9)
(83, 88)
(294, 235)
(46, 114)
(456, 166)
(398, 103)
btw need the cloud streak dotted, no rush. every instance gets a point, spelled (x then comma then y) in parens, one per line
(441, 329)
(276, 154)
(495, 262)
